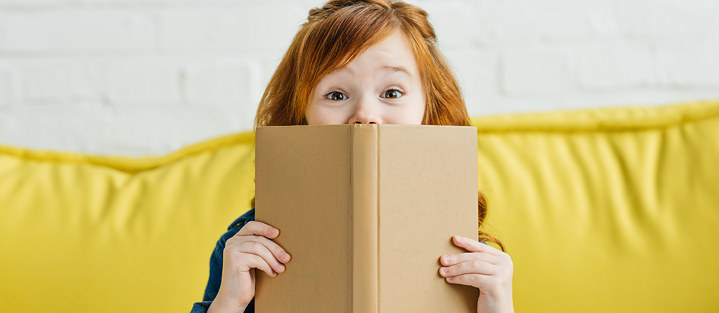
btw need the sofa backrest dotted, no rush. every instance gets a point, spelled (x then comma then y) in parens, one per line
(105, 234)
(601, 210)
(609, 210)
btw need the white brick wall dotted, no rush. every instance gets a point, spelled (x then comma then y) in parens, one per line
(6, 87)
(610, 68)
(78, 30)
(143, 83)
(135, 77)
(60, 82)
(535, 73)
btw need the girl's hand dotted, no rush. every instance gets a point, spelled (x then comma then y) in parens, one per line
(250, 248)
(483, 267)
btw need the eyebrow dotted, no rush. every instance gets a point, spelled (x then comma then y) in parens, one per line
(386, 68)
(397, 69)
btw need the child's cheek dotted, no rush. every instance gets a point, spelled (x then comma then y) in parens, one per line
(409, 113)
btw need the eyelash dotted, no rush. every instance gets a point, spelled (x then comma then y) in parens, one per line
(327, 96)
(401, 93)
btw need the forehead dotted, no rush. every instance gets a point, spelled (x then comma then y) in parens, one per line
(392, 54)
(395, 45)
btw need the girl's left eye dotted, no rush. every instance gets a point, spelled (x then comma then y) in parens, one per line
(392, 94)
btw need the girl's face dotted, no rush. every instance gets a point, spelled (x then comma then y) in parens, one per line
(380, 86)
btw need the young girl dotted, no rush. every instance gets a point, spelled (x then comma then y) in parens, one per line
(353, 61)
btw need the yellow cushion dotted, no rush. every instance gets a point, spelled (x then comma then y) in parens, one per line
(613, 210)
(602, 210)
(105, 234)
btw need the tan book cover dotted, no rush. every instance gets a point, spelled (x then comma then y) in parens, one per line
(366, 211)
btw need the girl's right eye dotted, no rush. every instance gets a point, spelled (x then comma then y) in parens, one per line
(336, 96)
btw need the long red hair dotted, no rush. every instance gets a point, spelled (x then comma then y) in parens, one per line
(339, 31)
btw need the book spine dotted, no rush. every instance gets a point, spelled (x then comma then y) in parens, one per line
(365, 219)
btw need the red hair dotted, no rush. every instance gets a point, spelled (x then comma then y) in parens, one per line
(341, 30)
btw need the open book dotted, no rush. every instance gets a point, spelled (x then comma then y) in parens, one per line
(366, 211)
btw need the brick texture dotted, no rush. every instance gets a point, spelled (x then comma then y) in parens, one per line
(541, 73)
(56, 82)
(143, 83)
(138, 77)
(6, 87)
(78, 30)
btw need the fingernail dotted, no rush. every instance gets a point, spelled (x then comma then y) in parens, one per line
(285, 257)
(446, 259)
(274, 231)
(444, 270)
(282, 267)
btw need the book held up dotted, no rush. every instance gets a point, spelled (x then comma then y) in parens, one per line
(366, 211)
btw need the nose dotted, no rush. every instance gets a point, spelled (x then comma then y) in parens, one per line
(366, 112)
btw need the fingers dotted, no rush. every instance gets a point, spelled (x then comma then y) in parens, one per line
(472, 245)
(483, 267)
(277, 251)
(489, 278)
(448, 260)
(266, 249)
(254, 228)
(255, 261)
(474, 280)
(487, 284)
(261, 232)
(251, 243)
(469, 267)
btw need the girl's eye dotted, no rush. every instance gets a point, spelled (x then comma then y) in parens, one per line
(336, 96)
(392, 94)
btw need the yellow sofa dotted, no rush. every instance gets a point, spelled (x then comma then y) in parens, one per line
(606, 210)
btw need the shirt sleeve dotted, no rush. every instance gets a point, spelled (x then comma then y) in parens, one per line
(213, 283)
(201, 307)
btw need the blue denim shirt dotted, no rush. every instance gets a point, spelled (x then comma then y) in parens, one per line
(213, 283)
